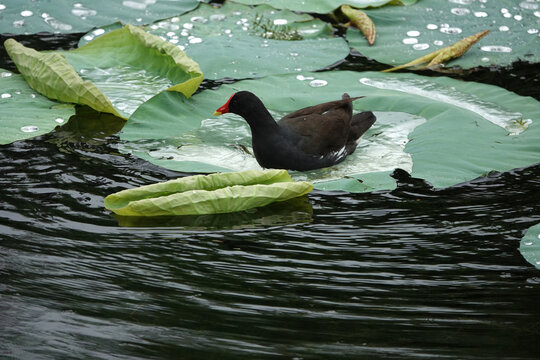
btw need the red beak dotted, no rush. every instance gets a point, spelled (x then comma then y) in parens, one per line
(225, 108)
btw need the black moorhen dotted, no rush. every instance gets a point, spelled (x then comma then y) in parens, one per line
(310, 138)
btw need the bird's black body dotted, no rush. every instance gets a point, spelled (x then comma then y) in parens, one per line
(310, 138)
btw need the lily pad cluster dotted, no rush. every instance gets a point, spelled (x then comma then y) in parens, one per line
(24, 113)
(67, 16)
(407, 33)
(444, 131)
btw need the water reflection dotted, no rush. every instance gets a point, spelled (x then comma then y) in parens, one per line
(369, 274)
(294, 211)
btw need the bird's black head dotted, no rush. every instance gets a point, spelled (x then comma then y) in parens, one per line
(249, 106)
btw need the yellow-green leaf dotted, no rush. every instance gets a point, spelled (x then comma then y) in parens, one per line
(208, 194)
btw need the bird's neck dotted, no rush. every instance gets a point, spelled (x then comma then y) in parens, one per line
(259, 120)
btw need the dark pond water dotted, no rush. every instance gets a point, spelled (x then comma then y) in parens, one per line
(408, 274)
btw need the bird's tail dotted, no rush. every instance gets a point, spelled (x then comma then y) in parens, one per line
(360, 123)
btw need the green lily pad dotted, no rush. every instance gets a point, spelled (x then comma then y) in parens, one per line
(25, 114)
(439, 129)
(407, 33)
(211, 194)
(324, 6)
(227, 42)
(66, 16)
(530, 246)
(115, 73)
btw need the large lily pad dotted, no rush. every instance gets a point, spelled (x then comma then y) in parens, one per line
(66, 16)
(211, 194)
(439, 129)
(115, 73)
(406, 33)
(324, 6)
(24, 113)
(530, 246)
(226, 42)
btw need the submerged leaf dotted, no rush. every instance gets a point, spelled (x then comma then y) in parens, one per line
(361, 21)
(211, 194)
(445, 54)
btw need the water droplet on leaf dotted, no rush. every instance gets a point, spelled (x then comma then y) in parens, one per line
(198, 19)
(420, 46)
(461, 2)
(528, 5)
(460, 11)
(496, 48)
(217, 17)
(29, 128)
(450, 30)
(504, 28)
(318, 83)
(302, 77)
(410, 41)
(26, 13)
(5, 96)
(413, 33)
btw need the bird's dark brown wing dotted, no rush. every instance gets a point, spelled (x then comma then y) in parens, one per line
(322, 128)
(322, 108)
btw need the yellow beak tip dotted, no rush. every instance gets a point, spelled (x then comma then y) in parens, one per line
(217, 113)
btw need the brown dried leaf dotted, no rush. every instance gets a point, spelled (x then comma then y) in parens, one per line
(361, 21)
(445, 54)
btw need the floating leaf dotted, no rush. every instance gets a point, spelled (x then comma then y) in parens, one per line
(25, 114)
(211, 194)
(50, 74)
(407, 33)
(445, 54)
(324, 6)
(67, 16)
(530, 246)
(115, 73)
(439, 129)
(361, 21)
(226, 41)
